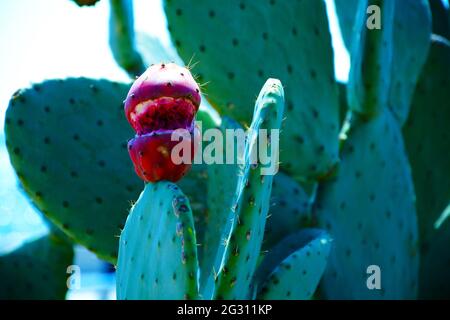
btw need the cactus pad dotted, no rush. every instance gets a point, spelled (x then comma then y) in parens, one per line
(369, 212)
(297, 276)
(288, 40)
(158, 249)
(427, 141)
(37, 270)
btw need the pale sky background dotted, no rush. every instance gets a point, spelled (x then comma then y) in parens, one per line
(55, 39)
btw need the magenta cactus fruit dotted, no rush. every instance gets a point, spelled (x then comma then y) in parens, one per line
(163, 99)
(165, 96)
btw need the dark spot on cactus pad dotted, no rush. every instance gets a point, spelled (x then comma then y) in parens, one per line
(89, 232)
(265, 36)
(289, 69)
(235, 42)
(99, 200)
(202, 48)
(43, 169)
(65, 204)
(20, 122)
(46, 140)
(178, 12)
(99, 123)
(76, 137)
(72, 101)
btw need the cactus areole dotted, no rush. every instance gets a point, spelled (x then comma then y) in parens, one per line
(163, 99)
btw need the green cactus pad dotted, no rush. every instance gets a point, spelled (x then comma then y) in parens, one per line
(67, 142)
(297, 276)
(158, 249)
(412, 33)
(427, 141)
(289, 210)
(251, 202)
(441, 21)
(122, 39)
(36, 270)
(289, 40)
(281, 250)
(369, 211)
(222, 182)
(346, 11)
(369, 78)
(410, 44)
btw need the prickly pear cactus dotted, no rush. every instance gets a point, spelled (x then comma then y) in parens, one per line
(222, 182)
(67, 140)
(304, 257)
(427, 141)
(122, 39)
(369, 212)
(251, 203)
(371, 52)
(158, 249)
(409, 31)
(37, 270)
(290, 41)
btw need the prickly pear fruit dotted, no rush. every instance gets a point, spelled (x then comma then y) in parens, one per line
(165, 96)
(163, 99)
(152, 155)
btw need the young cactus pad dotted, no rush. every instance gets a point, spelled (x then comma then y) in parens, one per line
(158, 249)
(252, 200)
(299, 273)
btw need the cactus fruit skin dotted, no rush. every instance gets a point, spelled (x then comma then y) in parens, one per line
(158, 249)
(297, 276)
(427, 143)
(37, 270)
(83, 3)
(81, 177)
(165, 96)
(251, 202)
(151, 155)
(302, 59)
(369, 211)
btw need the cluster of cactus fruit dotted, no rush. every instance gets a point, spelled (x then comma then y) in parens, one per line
(364, 166)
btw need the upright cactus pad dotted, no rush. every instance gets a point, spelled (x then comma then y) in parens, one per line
(251, 202)
(371, 53)
(297, 276)
(289, 40)
(158, 249)
(37, 270)
(369, 212)
(67, 141)
(410, 32)
(427, 141)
